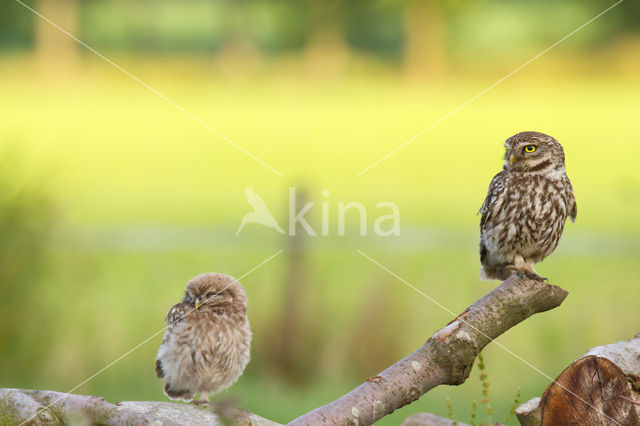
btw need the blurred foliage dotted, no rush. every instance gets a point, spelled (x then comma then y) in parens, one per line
(16, 27)
(277, 25)
(376, 27)
(154, 25)
(26, 220)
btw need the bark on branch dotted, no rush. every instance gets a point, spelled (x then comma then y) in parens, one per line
(446, 357)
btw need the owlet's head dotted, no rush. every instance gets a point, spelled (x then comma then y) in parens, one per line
(533, 152)
(213, 291)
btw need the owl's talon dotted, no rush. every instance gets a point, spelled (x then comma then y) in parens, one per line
(201, 402)
(536, 277)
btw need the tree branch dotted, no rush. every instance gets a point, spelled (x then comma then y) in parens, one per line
(528, 413)
(446, 357)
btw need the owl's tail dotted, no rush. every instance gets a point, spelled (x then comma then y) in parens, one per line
(485, 275)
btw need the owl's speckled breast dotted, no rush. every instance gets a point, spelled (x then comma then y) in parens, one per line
(531, 217)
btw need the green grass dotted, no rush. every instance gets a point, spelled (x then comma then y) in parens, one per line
(148, 198)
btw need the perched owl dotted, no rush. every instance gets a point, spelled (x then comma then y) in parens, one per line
(206, 345)
(526, 207)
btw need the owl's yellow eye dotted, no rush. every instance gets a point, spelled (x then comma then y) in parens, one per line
(530, 148)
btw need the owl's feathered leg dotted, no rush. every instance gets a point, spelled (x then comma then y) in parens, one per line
(518, 267)
(203, 399)
(533, 274)
(525, 269)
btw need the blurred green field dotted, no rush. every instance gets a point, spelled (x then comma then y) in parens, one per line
(146, 198)
(101, 133)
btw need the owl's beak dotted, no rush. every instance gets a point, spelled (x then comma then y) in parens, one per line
(512, 158)
(197, 302)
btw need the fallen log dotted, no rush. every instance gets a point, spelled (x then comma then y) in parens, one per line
(40, 407)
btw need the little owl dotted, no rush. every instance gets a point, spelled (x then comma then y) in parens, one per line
(526, 207)
(206, 345)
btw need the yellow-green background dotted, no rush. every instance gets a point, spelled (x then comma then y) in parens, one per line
(141, 197)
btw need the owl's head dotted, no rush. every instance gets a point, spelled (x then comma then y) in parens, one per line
(213, 291)
(533, 152)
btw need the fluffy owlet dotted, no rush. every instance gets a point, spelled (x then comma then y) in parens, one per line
(206, 345)
(526, 207)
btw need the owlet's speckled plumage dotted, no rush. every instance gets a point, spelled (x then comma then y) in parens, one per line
(206, 345)
(526, 207)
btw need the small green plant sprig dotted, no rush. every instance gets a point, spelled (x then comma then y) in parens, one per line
(474, 409)
(450, 413)
(486, 400)
(512, 412)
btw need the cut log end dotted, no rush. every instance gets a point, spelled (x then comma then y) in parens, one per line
(591, 391)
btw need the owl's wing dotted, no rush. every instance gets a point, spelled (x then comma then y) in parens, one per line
(173, 317)
(572, 207)
(177, 313)
(496, 188)
(573, 212)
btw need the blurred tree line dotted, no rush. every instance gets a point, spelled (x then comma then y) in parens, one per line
(418, 34)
